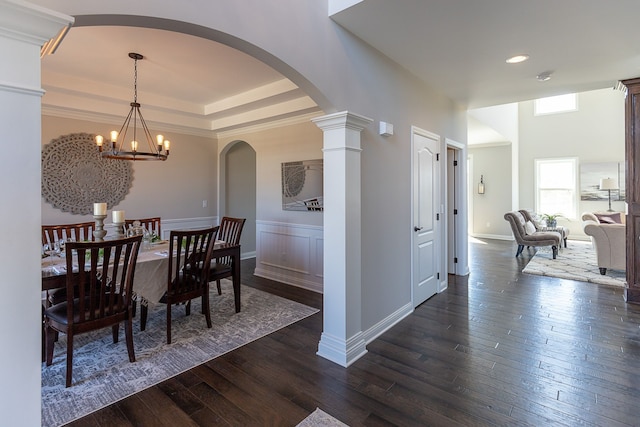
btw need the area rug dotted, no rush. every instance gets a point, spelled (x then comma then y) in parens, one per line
(320, 418)
(102, 373)
(576, 262)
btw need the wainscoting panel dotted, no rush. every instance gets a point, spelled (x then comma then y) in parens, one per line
(290, 253)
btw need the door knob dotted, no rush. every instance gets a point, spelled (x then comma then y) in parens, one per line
(416, 228)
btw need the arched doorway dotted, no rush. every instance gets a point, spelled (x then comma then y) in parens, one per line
(237, 190)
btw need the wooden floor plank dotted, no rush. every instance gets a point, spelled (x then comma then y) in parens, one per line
(498, 347)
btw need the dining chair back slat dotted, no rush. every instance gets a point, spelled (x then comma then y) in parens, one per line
(82, 231)
(230, 232)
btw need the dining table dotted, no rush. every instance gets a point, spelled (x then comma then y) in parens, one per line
(152, 265)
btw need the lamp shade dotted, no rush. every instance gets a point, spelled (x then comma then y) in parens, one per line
(608, 184)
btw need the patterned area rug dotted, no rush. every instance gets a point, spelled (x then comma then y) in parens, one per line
(102, 373)
(576, 262)
(320, 418)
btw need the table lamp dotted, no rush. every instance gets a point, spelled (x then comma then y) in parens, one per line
(608, 184)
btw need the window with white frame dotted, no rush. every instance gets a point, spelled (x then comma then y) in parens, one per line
(555, 104)
(556, 186)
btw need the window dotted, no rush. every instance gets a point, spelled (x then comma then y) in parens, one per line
(556, 104)
(556, 186)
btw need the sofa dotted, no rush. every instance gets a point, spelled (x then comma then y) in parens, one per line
(526, 233)
(609, 239)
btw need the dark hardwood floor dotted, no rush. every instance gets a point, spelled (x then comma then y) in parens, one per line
(496, 348)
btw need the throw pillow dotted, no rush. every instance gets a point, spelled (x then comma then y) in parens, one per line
(529, 228)
(610, 218)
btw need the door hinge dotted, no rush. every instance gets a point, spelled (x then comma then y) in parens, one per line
(455, 211)
(455, 163)
(437, 217)
(455, 260)
(438, 276)
(437, 157)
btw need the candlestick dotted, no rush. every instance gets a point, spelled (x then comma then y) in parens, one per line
(119, 227)
(99, 232)
(99, 209)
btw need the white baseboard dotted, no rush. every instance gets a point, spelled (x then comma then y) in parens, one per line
(492, 236)
(288, 279)
(387, 323)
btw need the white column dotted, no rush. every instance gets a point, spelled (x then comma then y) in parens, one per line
(342, 339)
(23, 29)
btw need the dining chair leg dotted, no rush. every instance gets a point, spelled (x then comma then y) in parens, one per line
(219, 288)
(206, 307)
(50, 342)
(143, 316)
(187, 308)
(69, 357)
(115, 329)
(168, 323)
(128, 334)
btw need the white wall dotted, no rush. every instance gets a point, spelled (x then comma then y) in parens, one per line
(593, 134)
(494, 164)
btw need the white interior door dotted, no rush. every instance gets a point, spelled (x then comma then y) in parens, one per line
(426, 204)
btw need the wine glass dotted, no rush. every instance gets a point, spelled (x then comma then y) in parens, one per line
(49, 250)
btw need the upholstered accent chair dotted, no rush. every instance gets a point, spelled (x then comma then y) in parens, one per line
(526, 234)
(608, 239)
(564, 231)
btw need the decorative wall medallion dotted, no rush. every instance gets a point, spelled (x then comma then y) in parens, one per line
(74, 176)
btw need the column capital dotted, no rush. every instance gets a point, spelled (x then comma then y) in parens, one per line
(31, 23)
(342, 120)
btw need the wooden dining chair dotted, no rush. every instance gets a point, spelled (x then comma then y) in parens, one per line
(151, 224)
(99, 295)
(188, 277)
(78, 232)
(230, 232)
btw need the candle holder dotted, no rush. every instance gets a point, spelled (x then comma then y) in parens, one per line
(119, 226)
(99, 232)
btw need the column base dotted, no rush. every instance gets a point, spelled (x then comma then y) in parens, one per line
(342, 352)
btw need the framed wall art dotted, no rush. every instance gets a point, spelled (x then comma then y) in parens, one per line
(592, 173)
(302, 187)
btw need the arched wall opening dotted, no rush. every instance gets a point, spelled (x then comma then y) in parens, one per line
(237, 190)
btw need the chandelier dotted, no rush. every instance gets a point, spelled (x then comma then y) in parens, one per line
(156, 150)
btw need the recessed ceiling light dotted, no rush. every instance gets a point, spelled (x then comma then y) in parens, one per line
(517, 58)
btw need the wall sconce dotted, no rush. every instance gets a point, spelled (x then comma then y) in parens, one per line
(481, 185)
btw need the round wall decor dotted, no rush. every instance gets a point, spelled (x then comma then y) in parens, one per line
(74, 175)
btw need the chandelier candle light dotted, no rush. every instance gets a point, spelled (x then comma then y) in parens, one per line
(158, 150)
